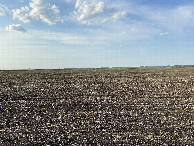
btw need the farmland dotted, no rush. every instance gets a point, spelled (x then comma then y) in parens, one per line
(97, 106)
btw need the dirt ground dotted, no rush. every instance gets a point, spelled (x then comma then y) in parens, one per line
(97, 107)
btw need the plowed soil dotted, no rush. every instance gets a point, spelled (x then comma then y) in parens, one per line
(97, 106)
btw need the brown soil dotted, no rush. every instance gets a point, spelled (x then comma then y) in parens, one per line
(102, 106)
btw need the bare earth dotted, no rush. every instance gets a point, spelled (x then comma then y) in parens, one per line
(102, 106)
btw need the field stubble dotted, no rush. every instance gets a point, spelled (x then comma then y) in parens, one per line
(97, 106)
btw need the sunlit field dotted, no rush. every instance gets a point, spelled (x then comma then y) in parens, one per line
(97, 106)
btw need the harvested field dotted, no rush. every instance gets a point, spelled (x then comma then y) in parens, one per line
(97, 106)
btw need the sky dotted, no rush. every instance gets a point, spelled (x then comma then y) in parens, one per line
(95, 33)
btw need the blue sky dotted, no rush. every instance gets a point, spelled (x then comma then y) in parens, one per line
(95, 33)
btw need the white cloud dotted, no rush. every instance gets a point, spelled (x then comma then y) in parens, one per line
(88, 12)
(46, 12)
(39, 10)
(23, 14)
(119, 14)
(3, 10)
(16, 27)
(163, 33)
(78, 3)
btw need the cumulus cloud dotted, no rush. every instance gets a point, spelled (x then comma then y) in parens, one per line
(88, 12)
(46, 12)
(23, 14)
(163, 33)
(3, 10)
(16, 27)
(39, 10)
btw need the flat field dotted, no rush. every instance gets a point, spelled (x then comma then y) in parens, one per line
(97, 106)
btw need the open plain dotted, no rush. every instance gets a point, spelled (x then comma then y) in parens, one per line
(97, 106)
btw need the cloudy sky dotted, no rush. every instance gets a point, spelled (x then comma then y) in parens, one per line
(95, 33)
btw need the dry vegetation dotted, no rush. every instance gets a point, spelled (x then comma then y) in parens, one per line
(102, 106)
